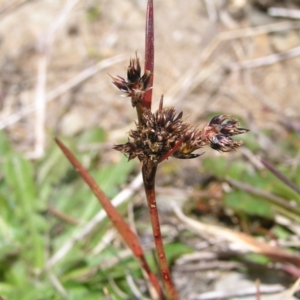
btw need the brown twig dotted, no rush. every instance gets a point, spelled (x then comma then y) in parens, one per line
(265, 61)
(61, 215)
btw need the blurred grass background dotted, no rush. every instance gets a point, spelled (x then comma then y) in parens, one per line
(229, 57)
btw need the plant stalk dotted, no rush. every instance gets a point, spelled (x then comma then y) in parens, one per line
(149, 52)
(118, 221)
(149, 173)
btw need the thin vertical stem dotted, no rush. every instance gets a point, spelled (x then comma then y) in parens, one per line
(149, 170)
(149, 184)
(149, 59)
(149, 52)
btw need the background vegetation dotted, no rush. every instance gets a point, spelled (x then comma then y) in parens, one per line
(210, 59)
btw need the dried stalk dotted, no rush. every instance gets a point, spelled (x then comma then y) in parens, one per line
(63, 88)
(44, 46)
(284, 12)
(265, 61)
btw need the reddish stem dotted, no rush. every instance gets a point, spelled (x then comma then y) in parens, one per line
(149, 173)
(123, 228)
(149, 52)
(148, 170)
(170, 152)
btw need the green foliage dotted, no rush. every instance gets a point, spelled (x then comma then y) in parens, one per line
(280, 232)
(174, 250)
(256, 196)
(264, 181)
(30, 233)
(4, 144)
(248, 204)
(93, 13)
(94, 135)
(257, 258)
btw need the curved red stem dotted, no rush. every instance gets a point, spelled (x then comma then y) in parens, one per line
(120, 224)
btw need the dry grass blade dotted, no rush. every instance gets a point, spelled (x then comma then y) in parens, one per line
(293, 289)
(265, 61)
(240, 292)
(211, 10)
(63, 88)
(258, 30)
(58, 286)
(284, 12)
(44, 46)
(237, 241)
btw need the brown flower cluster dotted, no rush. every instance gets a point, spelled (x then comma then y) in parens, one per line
(135, 86)
(158, 133)
(164, 133)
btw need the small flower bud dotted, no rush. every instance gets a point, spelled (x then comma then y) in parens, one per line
(135, 86)
(223, 143)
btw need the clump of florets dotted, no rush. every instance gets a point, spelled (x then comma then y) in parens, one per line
(158, 133)
(136, 85)
(220, 129)
(155, 134)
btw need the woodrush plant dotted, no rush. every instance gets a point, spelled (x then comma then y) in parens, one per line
(157, 136)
